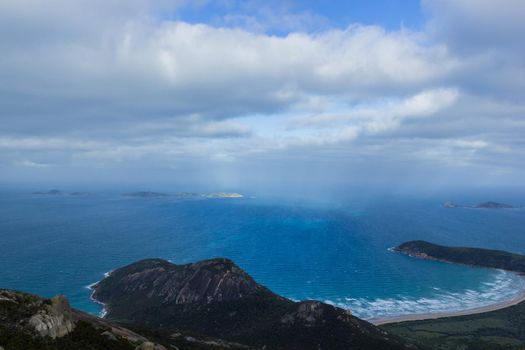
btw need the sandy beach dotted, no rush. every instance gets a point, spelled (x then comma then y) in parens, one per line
(431, 316)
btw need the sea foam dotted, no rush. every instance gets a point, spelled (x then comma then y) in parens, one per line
(505, 286)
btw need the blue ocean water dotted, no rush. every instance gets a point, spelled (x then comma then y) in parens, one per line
(299, 249)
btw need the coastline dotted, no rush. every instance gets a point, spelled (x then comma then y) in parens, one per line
(436, 315)
(91, 287)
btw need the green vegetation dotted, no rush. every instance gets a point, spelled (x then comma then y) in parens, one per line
(470, 256)
(84, 337)
(496, 330)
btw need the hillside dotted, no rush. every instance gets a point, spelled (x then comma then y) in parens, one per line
(497, 259)
(217, 298)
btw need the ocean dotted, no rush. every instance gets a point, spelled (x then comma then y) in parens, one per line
(301, 249)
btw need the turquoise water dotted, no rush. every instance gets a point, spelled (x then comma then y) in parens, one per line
(302, 250)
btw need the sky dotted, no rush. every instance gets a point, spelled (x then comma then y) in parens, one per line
(231, 94)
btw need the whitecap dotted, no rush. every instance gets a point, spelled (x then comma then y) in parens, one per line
(504, 286)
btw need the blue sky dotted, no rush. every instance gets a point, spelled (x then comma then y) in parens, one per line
(390, 14)
(227, 94)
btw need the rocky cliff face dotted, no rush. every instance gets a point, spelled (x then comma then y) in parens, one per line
(217, 298)
(159, 282)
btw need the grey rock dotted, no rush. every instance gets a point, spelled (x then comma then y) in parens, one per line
(109, 335)
(150, 346)
(54, 320)
(146, 346)
(311, 312)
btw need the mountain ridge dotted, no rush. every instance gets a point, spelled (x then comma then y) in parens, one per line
(217, 298)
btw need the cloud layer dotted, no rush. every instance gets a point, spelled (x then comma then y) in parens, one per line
(115, 84)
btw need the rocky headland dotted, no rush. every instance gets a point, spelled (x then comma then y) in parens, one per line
(216, 298)
(497, 259)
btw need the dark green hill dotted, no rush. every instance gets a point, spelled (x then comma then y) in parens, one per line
(497, 259)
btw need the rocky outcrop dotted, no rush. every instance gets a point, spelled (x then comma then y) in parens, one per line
(53, 320)
(158, 282)
(30, 322)
(150, 346)
(47, 318)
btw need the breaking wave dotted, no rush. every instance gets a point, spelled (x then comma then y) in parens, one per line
(505, 286)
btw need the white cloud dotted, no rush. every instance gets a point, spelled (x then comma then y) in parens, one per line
(383, 116)
(112, 82)
(31, 164)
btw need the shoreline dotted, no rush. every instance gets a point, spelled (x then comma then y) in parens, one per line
(91, 287)
(436, 315)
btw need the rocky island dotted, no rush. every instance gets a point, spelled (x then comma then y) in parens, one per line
(493, 205)
(484, 205)
(145, 194)
(185, 195)
(61, 193)
(50, 193)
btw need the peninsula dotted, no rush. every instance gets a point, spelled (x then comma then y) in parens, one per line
(496, 259)
(498, 326)
(216, 298)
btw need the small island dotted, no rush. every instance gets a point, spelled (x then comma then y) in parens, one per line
(484, 205)
(185, 195)
(493, 205)
(57, 193)
(50, 193)
(223, 195)
(145, 194)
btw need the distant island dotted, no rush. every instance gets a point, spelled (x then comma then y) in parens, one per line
(185, 195)
(50, 193)
(149, 194)
(145, 194)
(484, 205)
(61, 193)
